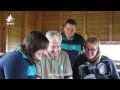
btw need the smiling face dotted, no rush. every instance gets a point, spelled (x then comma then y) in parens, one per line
(54, 47)
(69, 30)
(91, 50)
(38, 54)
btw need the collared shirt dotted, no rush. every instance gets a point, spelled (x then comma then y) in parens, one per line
(65, 38)
(54, 68)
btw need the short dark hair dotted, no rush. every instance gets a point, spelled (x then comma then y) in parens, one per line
(70, 21)
(33, 42)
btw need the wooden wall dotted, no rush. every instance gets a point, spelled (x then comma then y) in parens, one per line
(0, 32)
(116, 26)
(97, 25)
(1, 27)
(12, 35)
(50, 20)
(14, 31)
(103, 24)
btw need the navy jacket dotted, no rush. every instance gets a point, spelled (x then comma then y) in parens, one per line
(82, 59)
(14, 65)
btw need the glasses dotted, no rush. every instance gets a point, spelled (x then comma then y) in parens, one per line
(92, 50)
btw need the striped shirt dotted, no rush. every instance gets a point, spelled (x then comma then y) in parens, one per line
(73, 47)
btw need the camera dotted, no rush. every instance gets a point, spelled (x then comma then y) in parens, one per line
(91, 70)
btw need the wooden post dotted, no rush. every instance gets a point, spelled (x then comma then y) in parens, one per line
(84, 34)
(4, 35)
(61, 22)
(39, 20)
(110, 26)
(24, 24)
(4, 39)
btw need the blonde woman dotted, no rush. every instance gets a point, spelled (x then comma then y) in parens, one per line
(93, 65)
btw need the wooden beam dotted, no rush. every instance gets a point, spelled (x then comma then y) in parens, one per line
(110, 25)
(61, 22)
(39, 20)
(4, 46)
(4, 39)
(84, 34)
(24, 24)
(110, 42)
(1, 33)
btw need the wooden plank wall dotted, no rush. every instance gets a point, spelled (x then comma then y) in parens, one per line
(116, 26)
(14, 31)
(103, 24)
(12, 36)
(0, 31)
(50, 21)
(97, 24)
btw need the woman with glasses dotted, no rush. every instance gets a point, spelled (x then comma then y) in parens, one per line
(92, 65)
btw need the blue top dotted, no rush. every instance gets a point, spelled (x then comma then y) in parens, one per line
(14, 65)
(73, 47)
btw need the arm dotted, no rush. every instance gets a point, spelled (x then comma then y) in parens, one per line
(112, 72)
(68, 68)
(1, 72)
(75, 69)
(115, 74)
(15, 69)
(81, 59)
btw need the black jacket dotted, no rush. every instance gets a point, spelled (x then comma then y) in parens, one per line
(82, 59)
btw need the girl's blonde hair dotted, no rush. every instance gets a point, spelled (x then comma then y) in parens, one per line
(95, 41)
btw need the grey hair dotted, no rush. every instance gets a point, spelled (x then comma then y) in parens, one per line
(54, 34)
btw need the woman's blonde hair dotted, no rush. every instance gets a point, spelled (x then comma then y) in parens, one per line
(95, 41)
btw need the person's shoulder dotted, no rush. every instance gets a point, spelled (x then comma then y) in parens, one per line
(80, 59)
(9, 57)
(105, 57)
(78, 35)
(63, 52)
(81, 56)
